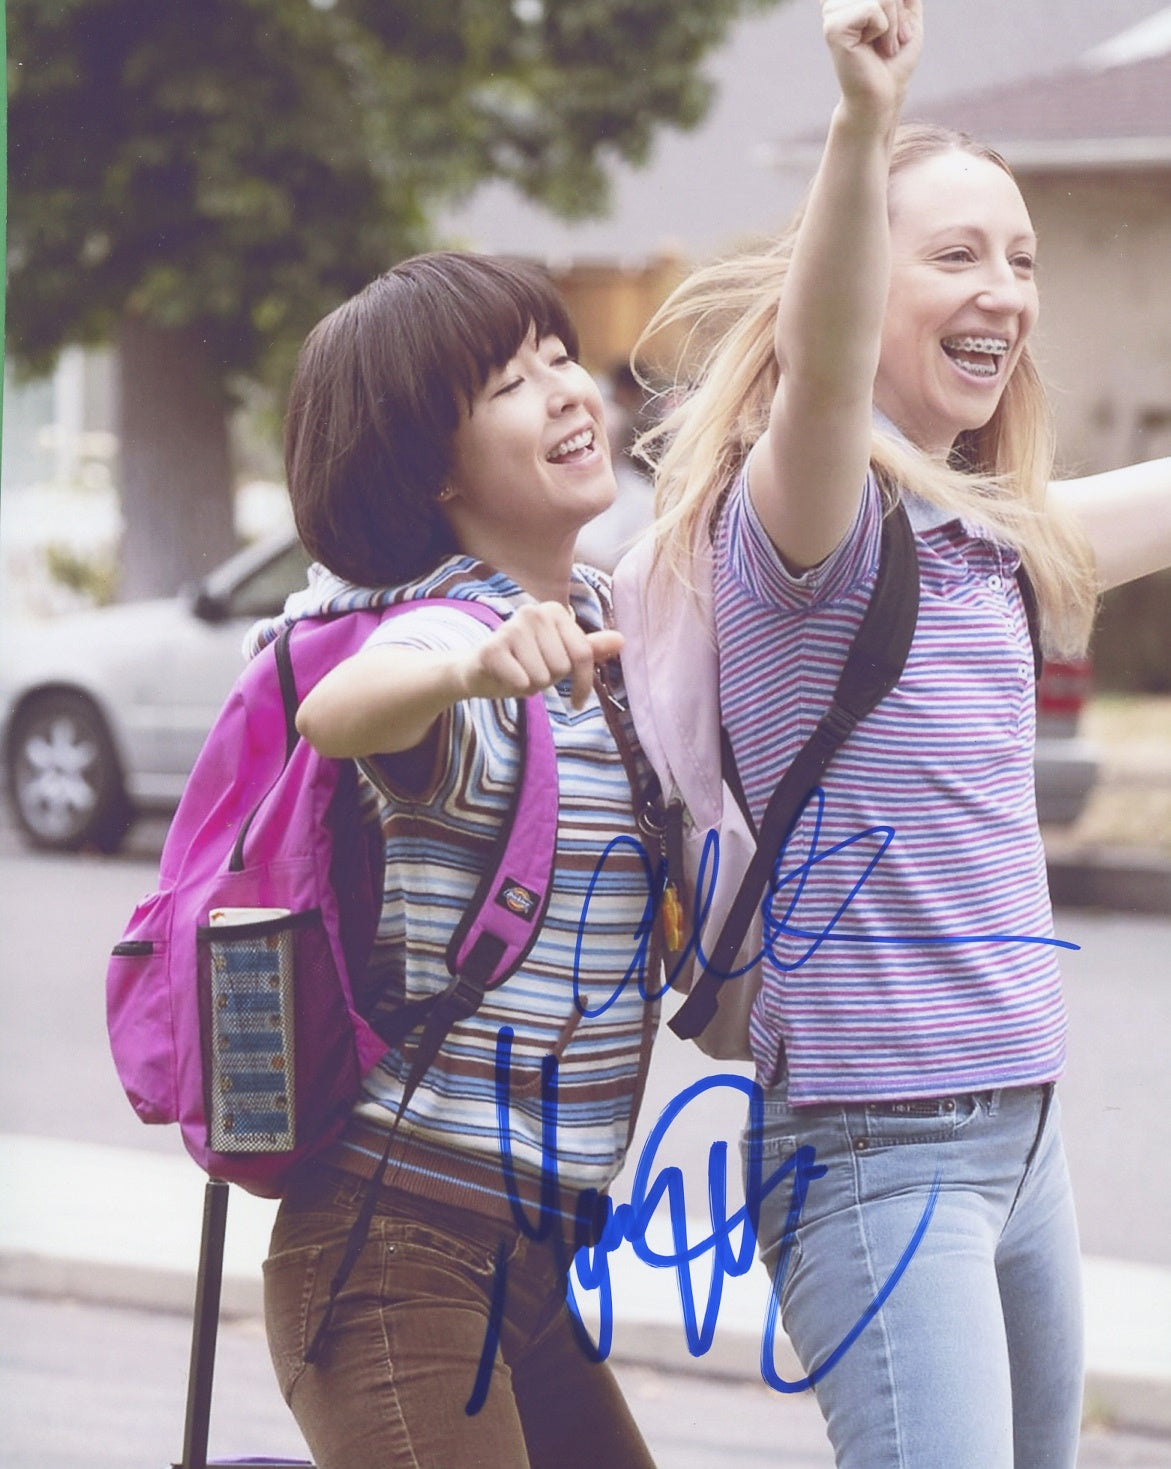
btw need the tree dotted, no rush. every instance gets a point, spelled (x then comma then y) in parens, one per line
(200, 182)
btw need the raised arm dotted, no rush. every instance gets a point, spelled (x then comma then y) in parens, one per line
(1126, 514)
(386, 698)
(807, 473)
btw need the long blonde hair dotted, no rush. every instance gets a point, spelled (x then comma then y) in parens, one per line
(725, 377)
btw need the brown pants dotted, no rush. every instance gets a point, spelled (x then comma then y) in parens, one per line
(402, 1362)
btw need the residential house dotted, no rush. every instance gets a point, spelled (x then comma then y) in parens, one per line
(1076, 94)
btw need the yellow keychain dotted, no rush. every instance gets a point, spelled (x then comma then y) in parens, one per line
(672, 911)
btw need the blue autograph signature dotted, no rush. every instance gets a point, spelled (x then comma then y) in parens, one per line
(728, 1251)
(785, 885)
(600, 1228)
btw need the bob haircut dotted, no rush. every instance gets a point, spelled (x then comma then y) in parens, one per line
(379, 389)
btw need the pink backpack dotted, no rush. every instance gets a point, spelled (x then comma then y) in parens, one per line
(231, 997)
(670, 666)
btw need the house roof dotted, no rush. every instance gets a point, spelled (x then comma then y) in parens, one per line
(704, 190)
(1116, 117)
(1110, 110)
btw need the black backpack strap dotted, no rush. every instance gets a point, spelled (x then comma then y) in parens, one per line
(462, 998)
(436, 1015)
(483, 952)
(872, 668)
(290, 702)
(731, 775)
(1032, 617)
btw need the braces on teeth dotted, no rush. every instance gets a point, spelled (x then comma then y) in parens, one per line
(994, 346)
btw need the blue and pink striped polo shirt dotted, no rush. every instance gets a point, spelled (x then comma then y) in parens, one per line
(909, 942)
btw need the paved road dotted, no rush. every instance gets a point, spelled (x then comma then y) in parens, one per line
(85, 1385)
(60, 916)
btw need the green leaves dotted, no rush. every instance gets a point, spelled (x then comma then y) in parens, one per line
(239, 166)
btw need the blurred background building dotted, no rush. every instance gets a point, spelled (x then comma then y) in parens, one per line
(1076, 95)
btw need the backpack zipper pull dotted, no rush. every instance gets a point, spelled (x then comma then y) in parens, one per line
(672, 906)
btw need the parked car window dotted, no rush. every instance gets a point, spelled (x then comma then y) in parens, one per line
(263, 593)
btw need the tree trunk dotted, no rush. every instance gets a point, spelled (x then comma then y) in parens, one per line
(177, 490)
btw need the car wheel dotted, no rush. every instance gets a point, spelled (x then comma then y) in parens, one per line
(64, 780)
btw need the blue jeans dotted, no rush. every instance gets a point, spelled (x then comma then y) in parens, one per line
(402, 1360)
(974, 1359)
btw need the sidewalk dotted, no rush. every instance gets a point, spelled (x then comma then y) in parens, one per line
(98, 1244)
(121, 1227)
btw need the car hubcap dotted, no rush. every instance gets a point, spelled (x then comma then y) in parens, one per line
(56, 784)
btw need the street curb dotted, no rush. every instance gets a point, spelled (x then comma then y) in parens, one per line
(1119, 1399)
(120, 1227)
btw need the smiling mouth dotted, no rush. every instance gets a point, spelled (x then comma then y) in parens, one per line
(572, 449)
(977, 356)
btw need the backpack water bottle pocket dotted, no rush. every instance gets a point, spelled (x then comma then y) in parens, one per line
(247, 969)
(139, 1014)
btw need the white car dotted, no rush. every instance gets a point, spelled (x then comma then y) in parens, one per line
(103, 712)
